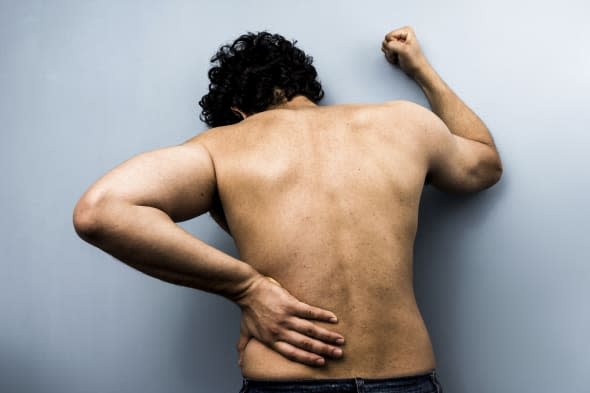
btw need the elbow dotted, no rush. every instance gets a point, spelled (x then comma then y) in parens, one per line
(84, 220)
(492, 175)
(496, 168)
(498, 173)
(490, 168)
(86, 215)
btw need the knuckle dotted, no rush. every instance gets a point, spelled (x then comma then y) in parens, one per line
(284, 322)
(307, 344)
(291, 354)
(326, 349)
(330, 337)
(287, 323)
(274, 331)
(325, 336)
(292, 307)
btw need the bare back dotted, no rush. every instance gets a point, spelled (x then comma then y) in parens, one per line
(325, 200)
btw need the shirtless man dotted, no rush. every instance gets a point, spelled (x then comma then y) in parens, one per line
(322, 202)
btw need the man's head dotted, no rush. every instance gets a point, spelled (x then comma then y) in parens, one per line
(254, 73)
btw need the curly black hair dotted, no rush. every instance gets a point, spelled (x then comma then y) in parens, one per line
(256, 71)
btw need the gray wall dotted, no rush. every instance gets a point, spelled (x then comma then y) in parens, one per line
(501, 276)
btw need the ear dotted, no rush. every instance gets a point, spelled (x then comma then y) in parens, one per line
(279, 95)
(238, 112)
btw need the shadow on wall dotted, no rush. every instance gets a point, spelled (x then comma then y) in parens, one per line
(25, 370)
(207, 337)
(448, 226)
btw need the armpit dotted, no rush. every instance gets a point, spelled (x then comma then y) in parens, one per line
(218, 214)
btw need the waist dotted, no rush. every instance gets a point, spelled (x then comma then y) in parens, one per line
(395, 345)
(426, 381)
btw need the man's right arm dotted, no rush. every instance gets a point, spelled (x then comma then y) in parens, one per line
(462, 153)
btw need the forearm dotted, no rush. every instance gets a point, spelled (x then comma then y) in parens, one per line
(148, 240)
(458, 117)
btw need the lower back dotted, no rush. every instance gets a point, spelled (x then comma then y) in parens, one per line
(385, 335)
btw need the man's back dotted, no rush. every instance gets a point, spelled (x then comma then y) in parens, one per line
(322, 199)
(325, 200)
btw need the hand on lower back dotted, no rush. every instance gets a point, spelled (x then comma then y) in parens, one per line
(276, 318)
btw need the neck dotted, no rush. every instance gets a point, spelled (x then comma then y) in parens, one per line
(296, 102)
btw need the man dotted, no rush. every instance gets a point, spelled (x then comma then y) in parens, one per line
(322, 202)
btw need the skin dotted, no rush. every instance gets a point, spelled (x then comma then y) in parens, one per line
(322, 203)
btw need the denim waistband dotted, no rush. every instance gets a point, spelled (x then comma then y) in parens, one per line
(414, 383)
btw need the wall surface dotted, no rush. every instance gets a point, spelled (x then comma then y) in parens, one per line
(501, 276)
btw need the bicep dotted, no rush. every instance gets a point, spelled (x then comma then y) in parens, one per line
(179, 180)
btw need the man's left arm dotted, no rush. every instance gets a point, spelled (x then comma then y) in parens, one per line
(131, 213)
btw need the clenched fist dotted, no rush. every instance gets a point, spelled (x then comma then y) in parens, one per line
(401, 48)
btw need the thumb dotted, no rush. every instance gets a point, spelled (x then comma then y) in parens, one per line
(394, 45)
(273, 281)
(242, 342)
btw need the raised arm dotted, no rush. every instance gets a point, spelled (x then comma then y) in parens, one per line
(130, 213)
(462, 153)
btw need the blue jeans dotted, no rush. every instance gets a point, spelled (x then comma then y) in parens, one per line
(424, 383)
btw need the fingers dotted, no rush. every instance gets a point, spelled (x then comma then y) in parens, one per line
(400, 34)
(311, 330)
(390, 54)
(311, 345)
(242, 341)
(401, 48)
(393, 45)
(298, 355)
(304, 310)
(391, 50)
(395, 42)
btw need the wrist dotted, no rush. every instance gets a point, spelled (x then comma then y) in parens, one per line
(425, 76)
(243, 296)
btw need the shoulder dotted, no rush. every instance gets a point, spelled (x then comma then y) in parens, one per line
(393, 110)
(408, 109)
(424, 123)
(402, 117)
(213, 139)
(413, 126)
